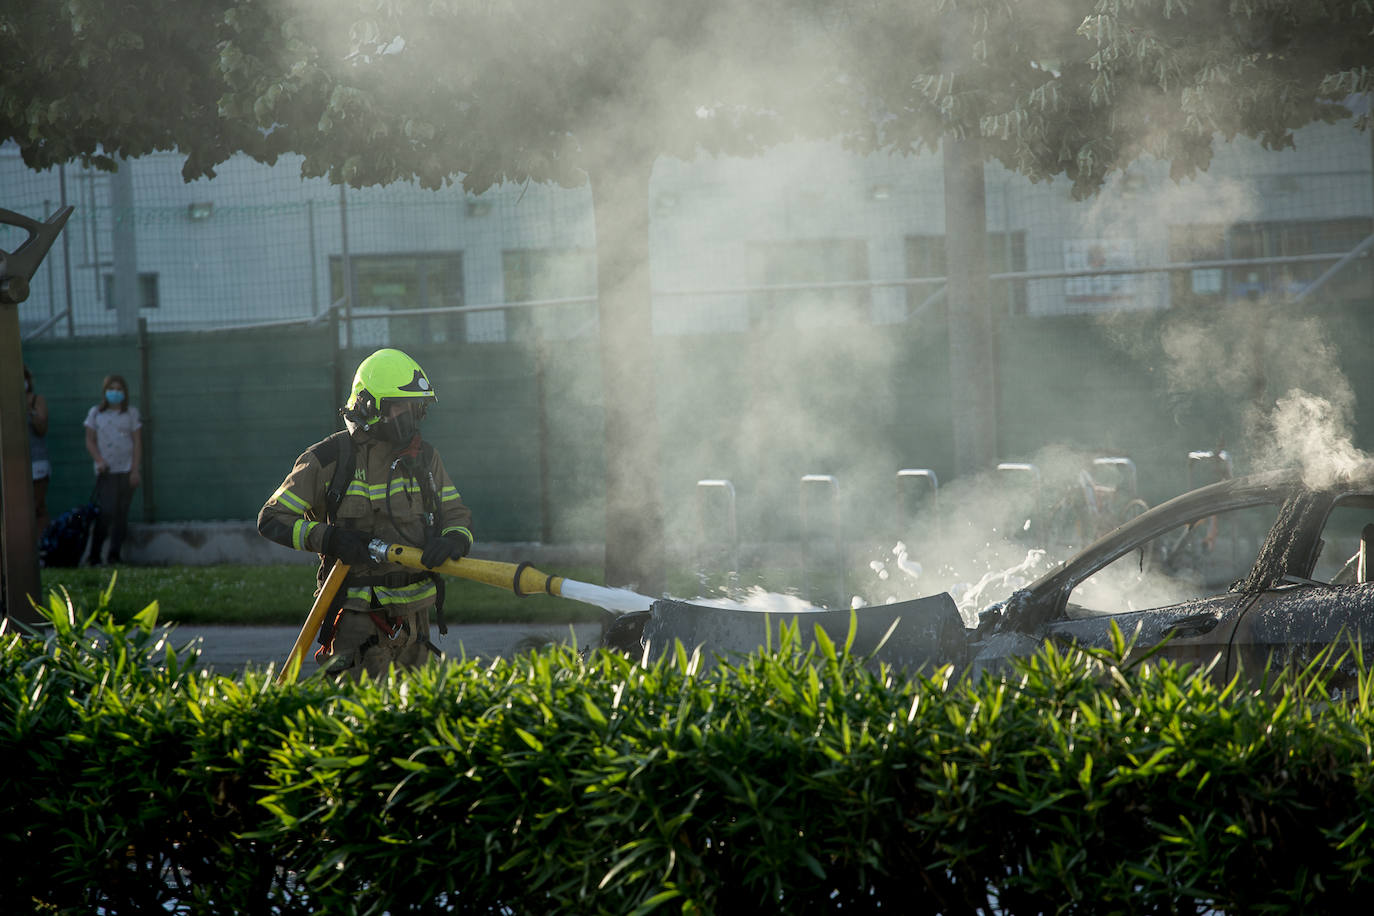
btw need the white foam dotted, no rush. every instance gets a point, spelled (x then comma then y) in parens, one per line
(760, 601)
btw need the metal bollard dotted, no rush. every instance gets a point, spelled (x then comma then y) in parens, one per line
(1125, 471)
(918, 489)
(823, 549)
(1211, 466)
(1207, 466)
(1024, 478)
(717, 537)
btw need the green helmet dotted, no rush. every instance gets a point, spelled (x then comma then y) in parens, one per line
(383, 378)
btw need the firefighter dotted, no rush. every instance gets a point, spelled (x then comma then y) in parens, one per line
(375, 479)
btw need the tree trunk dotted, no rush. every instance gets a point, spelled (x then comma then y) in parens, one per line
(972, 348)
(634, 502)
(18, 545)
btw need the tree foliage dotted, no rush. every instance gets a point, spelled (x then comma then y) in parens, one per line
(502, 91)
(375, 92)
(535, 89)
(93, 80)
(1081, 89)
(1169, 76)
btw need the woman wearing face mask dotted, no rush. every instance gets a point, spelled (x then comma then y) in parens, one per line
(116, 446)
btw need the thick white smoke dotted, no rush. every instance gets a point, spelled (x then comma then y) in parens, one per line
(1315, 434)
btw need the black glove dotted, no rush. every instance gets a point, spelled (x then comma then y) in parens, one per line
(348, 544)
(449, 547)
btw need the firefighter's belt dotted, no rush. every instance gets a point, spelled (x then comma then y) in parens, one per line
(387, 580)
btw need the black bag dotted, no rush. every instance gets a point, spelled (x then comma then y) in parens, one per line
(64, 540)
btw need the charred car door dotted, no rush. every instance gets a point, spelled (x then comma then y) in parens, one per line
(1317, 595)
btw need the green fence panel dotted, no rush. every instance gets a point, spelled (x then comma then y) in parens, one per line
(229, 412)
(521, 424)
(572, 432)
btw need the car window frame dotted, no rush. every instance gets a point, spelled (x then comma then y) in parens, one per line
(1313, 545)
(1275, 489)
(1207, 510)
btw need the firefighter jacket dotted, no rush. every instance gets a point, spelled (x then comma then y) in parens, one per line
(401, 496)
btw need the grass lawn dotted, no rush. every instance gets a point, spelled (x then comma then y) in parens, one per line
(232, 594)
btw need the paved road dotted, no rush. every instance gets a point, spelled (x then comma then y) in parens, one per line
(228, 649)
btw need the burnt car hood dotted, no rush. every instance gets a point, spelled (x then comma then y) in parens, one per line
(910, 634)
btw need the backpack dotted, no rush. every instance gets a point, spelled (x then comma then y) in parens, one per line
(64, 540)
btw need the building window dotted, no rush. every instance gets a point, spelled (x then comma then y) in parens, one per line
(1100, 285)
(1200, 242)
(396, 282)
(1006, 253)
(1278, 239)
(807, 268)
(543, 274)
(147, 291)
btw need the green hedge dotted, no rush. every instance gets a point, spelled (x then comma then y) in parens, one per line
(554, 783)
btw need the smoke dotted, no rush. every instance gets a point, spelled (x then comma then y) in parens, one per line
(1267, 359)
(1283, 374)
(1314, 434)
(988, 534)
(788, 406)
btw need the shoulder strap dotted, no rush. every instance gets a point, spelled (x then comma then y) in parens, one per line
(429, 487)
(429, 494)
(337, 448)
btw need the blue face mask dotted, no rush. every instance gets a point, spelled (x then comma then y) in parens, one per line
(114, 396)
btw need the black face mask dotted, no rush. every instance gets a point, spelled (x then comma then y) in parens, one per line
(403, 427)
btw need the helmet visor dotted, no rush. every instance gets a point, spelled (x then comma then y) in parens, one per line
(401, 417)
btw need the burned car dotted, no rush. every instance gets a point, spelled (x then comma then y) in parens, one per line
(1244, 572)
(1240, 572)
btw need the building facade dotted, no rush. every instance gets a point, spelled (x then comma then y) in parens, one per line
(806, 235)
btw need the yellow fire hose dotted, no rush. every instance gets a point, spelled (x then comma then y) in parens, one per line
(520, 578)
